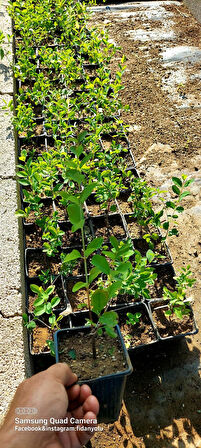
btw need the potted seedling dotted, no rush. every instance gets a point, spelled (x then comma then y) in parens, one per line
(102, 338)
(174, 316)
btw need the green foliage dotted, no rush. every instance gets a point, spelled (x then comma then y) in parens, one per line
(133, 319)
(177, 301)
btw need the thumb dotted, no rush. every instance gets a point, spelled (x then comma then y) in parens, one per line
(62, 373)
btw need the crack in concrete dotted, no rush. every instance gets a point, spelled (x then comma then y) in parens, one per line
(11, 316)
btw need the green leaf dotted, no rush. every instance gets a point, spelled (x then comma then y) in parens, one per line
(94, 245)
(109, 318)
(48, 308)
(176, 190)
(23, 182)
(188, 182)
(72, 256)
(77, 226)
(87, 191)
(99, 300)
(20, 214)
(170, 204)
(113, 208)
(184, 194)
(75, 176)
(69, 197)
(75, 213)
(40, 310)
(101, 263)
(166, 225)
(38, 302)
(52, 319)
(31, 325)
(50, 290)
(1, 53)
(114, 288)
(72, 354)
(177, 181)
(180, 209)
(114, 242)
(25, 318)
(94, 272)
(150, 255)
(35, 288)
(55, 301)
(79, 285)
(110, 332)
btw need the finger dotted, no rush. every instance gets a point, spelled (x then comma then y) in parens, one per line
(62, 373)
(73, 392)
(91, 404)
(84, 393)
(85, 436)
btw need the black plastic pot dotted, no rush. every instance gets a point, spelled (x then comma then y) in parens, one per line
(137, 308)
(114, 219)
(38, 254)
(108, 389)
(155, 305)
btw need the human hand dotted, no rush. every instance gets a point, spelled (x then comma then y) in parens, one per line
(46, 392)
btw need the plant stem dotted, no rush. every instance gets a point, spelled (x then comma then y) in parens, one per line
(87, 289)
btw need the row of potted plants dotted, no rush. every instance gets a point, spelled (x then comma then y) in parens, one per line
(94, 241)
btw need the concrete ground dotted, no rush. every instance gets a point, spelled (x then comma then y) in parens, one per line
(13, 359)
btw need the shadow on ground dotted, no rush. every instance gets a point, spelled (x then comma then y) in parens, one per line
(164, 387)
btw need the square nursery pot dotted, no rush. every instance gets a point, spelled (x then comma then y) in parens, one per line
(167, 329)
(108, 389)
(116, 227)
(141, 335)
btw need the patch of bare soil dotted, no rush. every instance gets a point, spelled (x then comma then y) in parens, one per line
(39, 337)
(162, 397)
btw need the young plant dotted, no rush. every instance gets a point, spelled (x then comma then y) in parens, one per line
(177, 301)
(43, 304)
(133, 319)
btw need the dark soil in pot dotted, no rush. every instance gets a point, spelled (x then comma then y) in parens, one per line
(39, 338)
(33, 237)
(124, 205)
(38, 261)
(165, 277)
(94, 208)
(135, 230)
(115, 228)
(34, 147)
(45, 210)
(70, 238)
(171, 325)
(110, 358)
(159, 248)
(61, 210)
(107, 141)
